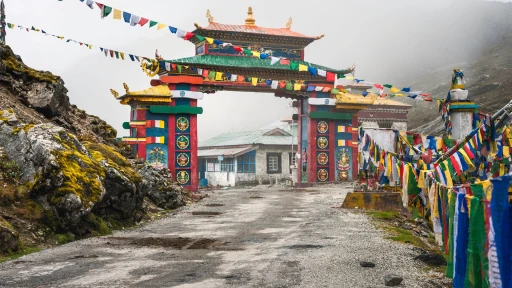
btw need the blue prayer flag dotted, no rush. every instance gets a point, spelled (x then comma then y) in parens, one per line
(173, 30)
(406, 89)
(127, 17)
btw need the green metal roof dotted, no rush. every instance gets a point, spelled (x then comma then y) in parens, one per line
(245, 62)
(249, 137)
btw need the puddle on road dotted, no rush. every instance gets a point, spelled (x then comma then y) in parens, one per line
(304, 246)
(214, 205)
(206, 213)
(255, 197)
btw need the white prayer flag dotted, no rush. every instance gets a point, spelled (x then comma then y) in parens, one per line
(322, 72)
(180, 33)
(274, 84)
(90, 3)
(226, 44)
(106, 52)
(274, 60)
(199, 71)
(319, 88)
(167, 66)
(234, 77)
(135, 20)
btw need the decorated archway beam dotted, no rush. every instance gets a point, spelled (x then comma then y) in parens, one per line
(322, 101)
(145, 124)
(176, 110)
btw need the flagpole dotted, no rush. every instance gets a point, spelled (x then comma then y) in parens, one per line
(2, 22)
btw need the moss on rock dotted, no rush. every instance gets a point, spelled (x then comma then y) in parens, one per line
(11, 63)
(114, 159)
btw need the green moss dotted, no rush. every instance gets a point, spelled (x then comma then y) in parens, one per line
(16, 130)
(6, 224)
(21, 252)
(103, 152)
(28, 127)
(10, 110)
(406, 236)
(384, 215)
(64, 238)
(11, 63)
(98, 226)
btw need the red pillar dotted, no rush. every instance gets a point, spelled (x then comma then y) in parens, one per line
(332, 151)
(141, 133)
(312, 144)
(355, 152)
(299, 141)
(194, 172)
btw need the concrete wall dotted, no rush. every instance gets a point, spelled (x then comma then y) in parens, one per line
(462, 124)
(246, 179)
(261, 162)
(221, 178)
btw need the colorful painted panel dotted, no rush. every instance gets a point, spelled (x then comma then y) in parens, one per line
(322, 143)
(344, 164)
(322, 174)
(183, 177)
(182, 159)
(322, 127)
(182, 142)
(276, 52)
(200, 50)
(322, 158)
(156, 155)
(182, 123)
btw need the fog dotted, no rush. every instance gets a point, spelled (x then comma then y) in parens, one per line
(389, 41)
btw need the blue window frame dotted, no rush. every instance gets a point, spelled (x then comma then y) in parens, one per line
(246, 163)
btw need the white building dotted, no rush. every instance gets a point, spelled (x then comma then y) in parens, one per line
(246, 158)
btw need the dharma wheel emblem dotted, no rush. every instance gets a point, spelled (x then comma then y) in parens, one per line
(182, 142)
(182, 123)
(326, 101)
(182, 93)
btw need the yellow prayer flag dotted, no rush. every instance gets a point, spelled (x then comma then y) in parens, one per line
(161, 26)
(394, 90)
(303, 67)
(90, 46)
(471, 165)
(256, 54)
(506, 151)
(502, 169)
(350, 78)
(122, 55)
(118, 14)
(399, 95)
(254, 81)
(209, 40)
(297, 86)
(218, 76)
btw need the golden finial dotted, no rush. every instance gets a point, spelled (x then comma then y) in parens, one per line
(289, 23)
(209, 16)
(126, 88)
(250, 21)
(114, 92)
(320, 37)
(198, 26)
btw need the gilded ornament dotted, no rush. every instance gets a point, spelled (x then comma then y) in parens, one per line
(209, 16)
(114, 92)
(289, 23)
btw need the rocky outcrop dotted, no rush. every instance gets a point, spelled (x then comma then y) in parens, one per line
(9, 238)
(159, 188)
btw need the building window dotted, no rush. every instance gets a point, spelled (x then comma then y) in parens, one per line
(227, 165)
(247, 163)
(273, 163)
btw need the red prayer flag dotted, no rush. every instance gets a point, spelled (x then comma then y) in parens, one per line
(205, 73)
(282, 84)
(455, 164)
(99, 5)
(188, 35)
(378, 86)
(240, 78)
(425, 95)
(284, 62)
(428, 99)
(238, 49)
(81, 43)
(330, 77)
(468, 151)
(173, 66)
(326, 89)
(143, 21)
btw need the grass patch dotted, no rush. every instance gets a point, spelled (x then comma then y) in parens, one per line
(64, 238)
(406, 236)
(21, 252)
(384, 215)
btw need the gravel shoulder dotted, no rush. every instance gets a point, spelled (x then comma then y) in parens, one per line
(235, 238)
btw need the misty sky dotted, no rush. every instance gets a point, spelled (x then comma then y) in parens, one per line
(385, 39)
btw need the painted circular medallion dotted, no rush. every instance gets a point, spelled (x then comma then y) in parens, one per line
(182, 177)
(182, 142)
(323, 175)
(322, 142)
(182, 123)
(322, 127)
(322, 158)
(182, 159)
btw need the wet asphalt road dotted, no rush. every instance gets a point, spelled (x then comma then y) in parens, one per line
(236, 238)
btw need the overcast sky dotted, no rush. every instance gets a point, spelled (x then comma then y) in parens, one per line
(385, 39)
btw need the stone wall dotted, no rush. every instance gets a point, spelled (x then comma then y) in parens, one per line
(261, 162)
(221, 178)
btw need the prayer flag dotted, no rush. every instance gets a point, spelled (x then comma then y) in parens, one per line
(319, 88)
(394, 90)
(180, 33)
(188, 35)
(254, 81)
(167, 66)
(322, 72)
(240, 78)
(406, 89)
(313, 71)
(284, 62)
(378, 86)
(326, 89)
(274, 84)
(209, 40)
(294, 65)
(173, 30)
(152, 23)
(256, 54)
(160, 26)
(143, 21)
(105, 11)
(310, 88)
(303, 67)
(388, 86)
(90, 3)
(205, 73)
(122, 55)
(127, 17)
(330, 77)
(297, 86)
(118, 14)
(211, 75)
(233, 77)
(218, 76)
(238, 49)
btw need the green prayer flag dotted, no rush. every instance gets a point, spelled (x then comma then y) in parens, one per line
(391, 95)
(451, 214)
(33, 28)
(289, 86)
(200, 38)
(106, 11)
(340, 76)
(248, 52)
(335, 91)
(388, 86)
(179, 68)
(294, 65)
(211, 75)
(117, 54)
(152, 23)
